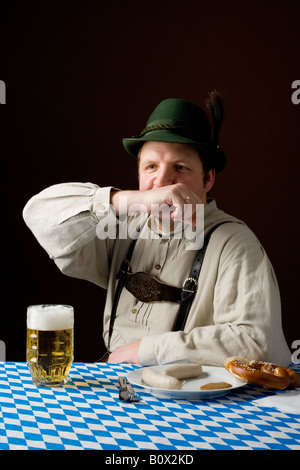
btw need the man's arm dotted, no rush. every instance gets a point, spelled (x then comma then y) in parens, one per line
(64, 219)
(174, 198)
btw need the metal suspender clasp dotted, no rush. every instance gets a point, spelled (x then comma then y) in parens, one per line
(194, 281)
(189, 287)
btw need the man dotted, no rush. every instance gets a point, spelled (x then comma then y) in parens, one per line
(163, 304)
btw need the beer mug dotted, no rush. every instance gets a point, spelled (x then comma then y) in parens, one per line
(50, 337)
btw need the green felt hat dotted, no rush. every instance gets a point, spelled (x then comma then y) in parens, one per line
(182, 122)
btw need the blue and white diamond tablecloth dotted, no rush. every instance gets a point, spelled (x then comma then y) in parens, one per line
(87, 414)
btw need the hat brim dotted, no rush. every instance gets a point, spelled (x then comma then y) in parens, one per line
(214, 156)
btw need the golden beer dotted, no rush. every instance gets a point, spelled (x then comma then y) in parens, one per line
(50, 340)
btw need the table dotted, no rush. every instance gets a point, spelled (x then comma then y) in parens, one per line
(87, 414)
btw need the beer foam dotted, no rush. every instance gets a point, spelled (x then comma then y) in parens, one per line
(50, 317)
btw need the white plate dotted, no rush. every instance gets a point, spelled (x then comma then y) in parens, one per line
(191, 389)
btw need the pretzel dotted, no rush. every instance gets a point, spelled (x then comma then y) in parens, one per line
(262, 373)
(269, 368)
(294, 378)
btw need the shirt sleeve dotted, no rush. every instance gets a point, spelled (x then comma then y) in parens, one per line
(64, 218)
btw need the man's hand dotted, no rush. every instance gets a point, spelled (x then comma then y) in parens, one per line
(128, 353)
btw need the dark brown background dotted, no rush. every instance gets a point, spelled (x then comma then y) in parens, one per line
(82, 75)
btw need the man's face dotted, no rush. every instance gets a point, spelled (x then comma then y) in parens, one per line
(163, 164)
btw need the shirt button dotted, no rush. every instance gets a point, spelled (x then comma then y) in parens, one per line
(133, 310)
(157, 266)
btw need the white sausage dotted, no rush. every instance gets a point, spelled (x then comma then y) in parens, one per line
(183, 371)
(158, 380)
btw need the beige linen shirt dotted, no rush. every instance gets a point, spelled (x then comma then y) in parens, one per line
(236, 310)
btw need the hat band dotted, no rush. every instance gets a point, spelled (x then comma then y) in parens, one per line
(161, 127)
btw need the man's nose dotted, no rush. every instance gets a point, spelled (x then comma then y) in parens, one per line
(163, 178)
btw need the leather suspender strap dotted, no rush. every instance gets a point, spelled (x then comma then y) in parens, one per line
(187, 293)
(121, 277)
